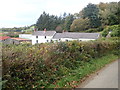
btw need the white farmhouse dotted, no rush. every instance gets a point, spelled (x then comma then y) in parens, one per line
(42, 36)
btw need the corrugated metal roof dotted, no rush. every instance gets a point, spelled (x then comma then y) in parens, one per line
(20, 39)
(76, 35)
(4, 37)
(44, 33)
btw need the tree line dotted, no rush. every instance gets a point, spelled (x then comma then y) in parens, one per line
(15, 29)
(51, 22)
(92, 17)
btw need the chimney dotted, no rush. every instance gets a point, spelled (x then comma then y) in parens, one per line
(63, 31)
(34, 29)
(44, 30)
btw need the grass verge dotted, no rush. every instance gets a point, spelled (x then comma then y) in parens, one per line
(75, 77)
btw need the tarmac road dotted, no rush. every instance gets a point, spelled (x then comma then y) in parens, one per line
(105, 78)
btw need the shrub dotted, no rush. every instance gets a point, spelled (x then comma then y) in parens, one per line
(115, 31)
(38, 66)
(105, 32)
(91, 30)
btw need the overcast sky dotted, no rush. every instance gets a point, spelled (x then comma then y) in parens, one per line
(17, 13)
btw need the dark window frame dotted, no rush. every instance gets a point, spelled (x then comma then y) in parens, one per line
(36, 41)
(45, 37)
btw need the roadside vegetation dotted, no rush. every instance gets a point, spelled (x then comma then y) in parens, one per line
(62, 64)
(54, 65)
(114, 29)
(77, 76)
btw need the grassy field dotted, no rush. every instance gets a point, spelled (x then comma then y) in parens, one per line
(29, 30)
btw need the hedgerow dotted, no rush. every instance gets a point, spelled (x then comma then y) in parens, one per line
(115, 31)
(39, 66)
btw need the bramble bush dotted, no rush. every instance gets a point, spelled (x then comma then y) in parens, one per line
(38, 66)
(115, 31)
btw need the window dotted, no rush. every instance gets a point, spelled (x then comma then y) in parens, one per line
(67, 40)
(59, 39)
(45, 37)
(36, 36)
(36, 41)
(47, 40)
(51, 41)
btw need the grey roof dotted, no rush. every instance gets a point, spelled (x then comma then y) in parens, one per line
(75, 35)
(44, 33)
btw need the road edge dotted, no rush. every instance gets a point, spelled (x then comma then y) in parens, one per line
(86, 80)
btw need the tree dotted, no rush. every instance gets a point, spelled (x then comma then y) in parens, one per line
(102, 6)
(59, 29)
(42, 21)
(50, 22)
(92, 13)
(68, 21)
(112, 18)
(118, 12)
(80, 25)
(109, 13)
(115, 31)
(64, 14)
(77, 15)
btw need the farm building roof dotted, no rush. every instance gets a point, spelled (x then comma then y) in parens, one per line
(44, 33)
(20, 39)
(4, 37)
(76, 35)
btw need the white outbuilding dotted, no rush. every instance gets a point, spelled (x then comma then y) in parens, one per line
(26, 36)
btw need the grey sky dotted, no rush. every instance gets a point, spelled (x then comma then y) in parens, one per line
(16, 13)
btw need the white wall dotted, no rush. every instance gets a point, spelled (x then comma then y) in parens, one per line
(70, 39)
(41, 39)
(25, 36)
(67, 39)
(82, 39)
